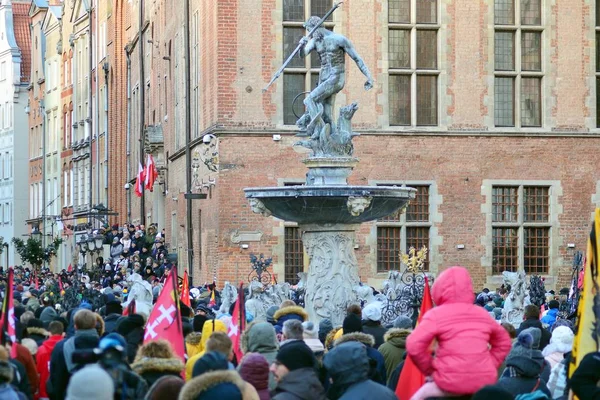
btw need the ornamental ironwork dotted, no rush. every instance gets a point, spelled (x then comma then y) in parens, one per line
(260, 271)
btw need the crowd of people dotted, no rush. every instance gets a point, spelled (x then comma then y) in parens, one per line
(71, 347)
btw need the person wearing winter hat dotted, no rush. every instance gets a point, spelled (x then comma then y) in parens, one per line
(35, 330)
(294, 370)
(394, 348)
(325, 326)
(156, 359)
(372, 324)
(260, 337)
(310, 336)
(561, 343)
(91, 382)
(254, 369)
(114, 311)
(550, 318)
(348, 367)
(165, 387)
(403, 322)
(522, 374)
(537, 354)
(270, 313)
(531, 319)
(288, 312)
(353, 309)
(221, 385)
(492, 393)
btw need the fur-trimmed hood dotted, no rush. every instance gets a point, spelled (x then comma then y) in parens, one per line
(329, 339)
(364, 338)
(202, 383)
(6, 372)
(259, 337)
(152, 364)
(38, 331)
(193, 338)
(290, 310)
(397, 336)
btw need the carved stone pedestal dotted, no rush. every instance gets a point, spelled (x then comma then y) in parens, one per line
(332, 272)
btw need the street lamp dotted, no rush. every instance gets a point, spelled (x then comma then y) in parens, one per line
(36, 233)
(99, 239)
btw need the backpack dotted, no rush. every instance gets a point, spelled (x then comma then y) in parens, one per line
(535, 395)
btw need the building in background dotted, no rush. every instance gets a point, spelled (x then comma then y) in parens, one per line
(15, 61)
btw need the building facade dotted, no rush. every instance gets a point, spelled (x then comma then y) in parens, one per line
(15, 47)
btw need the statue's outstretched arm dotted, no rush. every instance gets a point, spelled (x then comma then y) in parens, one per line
(351, 51)
(309, 45)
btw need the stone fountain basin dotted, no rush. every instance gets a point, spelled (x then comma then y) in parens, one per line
(329, 204)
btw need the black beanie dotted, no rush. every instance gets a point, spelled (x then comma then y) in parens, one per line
(199, 321)
(552, 304)
(295, 355)
(352, 323)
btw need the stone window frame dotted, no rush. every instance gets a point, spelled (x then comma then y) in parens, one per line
(555, 239)
(413, 71)
(435, 219)
(517, 74)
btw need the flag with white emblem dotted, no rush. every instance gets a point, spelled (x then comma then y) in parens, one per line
(238, 323)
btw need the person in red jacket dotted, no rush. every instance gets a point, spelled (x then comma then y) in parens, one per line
(469, 344)
(43, 355)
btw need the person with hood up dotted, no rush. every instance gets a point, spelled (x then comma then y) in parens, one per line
(131, 327)
(167, 387)
(213, 325)
(260, 337)
(348, 367)
(42, 358)
(294, 370)
(470, 345)
(550, 318)
(156, 359)
(586, 377)
(218, 384)
(114, 311)
(254, 369)
(352, 327)
(401, 323)
(394, 349)
(372, 323)
(48, 315)
(522, 373)
(288, 312)
(531, 319)
(536, 354)
(561, 343)
(325, 326)
(193, 339)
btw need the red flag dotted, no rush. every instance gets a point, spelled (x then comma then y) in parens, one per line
(60, 286)
(411, 378)
(185, 290)
(70, 268)
(151, 173)
(139, 182)
(7, 323)
(212, 301)
(542, 311)
(165, 319)
(35, 279)
(238, 323)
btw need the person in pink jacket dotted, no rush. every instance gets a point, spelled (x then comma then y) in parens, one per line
(469, 345)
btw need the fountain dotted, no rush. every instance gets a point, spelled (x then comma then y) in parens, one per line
(327, 209)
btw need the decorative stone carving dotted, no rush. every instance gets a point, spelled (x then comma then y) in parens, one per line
(258, 207)
(229, 295)
(517, 298)
(332, 271)
(238, 236)
(358, 205)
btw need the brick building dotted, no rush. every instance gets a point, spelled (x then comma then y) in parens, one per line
(489, 108)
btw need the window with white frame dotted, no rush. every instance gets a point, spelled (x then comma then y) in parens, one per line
(399, 232)
(31, 199)
(65, 186)
(2, 70)
(521, 228)
(301, 74)
(6, 165)
(71, 186)
(518, 63)
(7, 212)
(413, 27)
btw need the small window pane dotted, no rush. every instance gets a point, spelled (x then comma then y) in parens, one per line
(418, 237)
(531, 102)
(597, 51)
(505, 254)
(535, 201)
(293, 84)
(531, 12)
(400, 94)
(504, 110)
(293, 10)
(294, 254)
(291, 37)
(399, 48)
(505, 204)
(426, 49)
(399, 11)
(388, 249)
(504, 51)
(418, 209)
(426, 11)
(597, 102)
(597, 13)
(531, 51)
(536, 251)
(320, 8)
(504, 12)
(426, 100)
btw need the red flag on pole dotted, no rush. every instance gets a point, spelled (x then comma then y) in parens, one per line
(70, 268)
(238, 323)
(139, 182)
(7, 323)
(35, 279)
(151, 173)
(165, 319)
(185, 290)
(411, 378)
(60, 286)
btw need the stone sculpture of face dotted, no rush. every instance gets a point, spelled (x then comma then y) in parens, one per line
(358, 205)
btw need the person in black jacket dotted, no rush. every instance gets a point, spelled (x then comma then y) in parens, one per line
(584, 381)
(531, 319)
(131, 328)
(372, 323)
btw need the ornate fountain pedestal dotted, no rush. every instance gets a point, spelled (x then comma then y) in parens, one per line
(332, 271)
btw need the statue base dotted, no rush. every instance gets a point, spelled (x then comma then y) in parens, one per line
(332, 271)
(329, 170)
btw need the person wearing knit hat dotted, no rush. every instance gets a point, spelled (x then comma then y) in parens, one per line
(270, 313)
(294, 370)
(561, 343)
(372, 323)
(260, 337)
(254, 369)
(325, 326)
(352, 324)
(536, 354)
(310, 335)
(165, 387)
(91, 382)
(220, 385)
(210, 361)
(492, 393)
(522, 374)
(403, 322)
